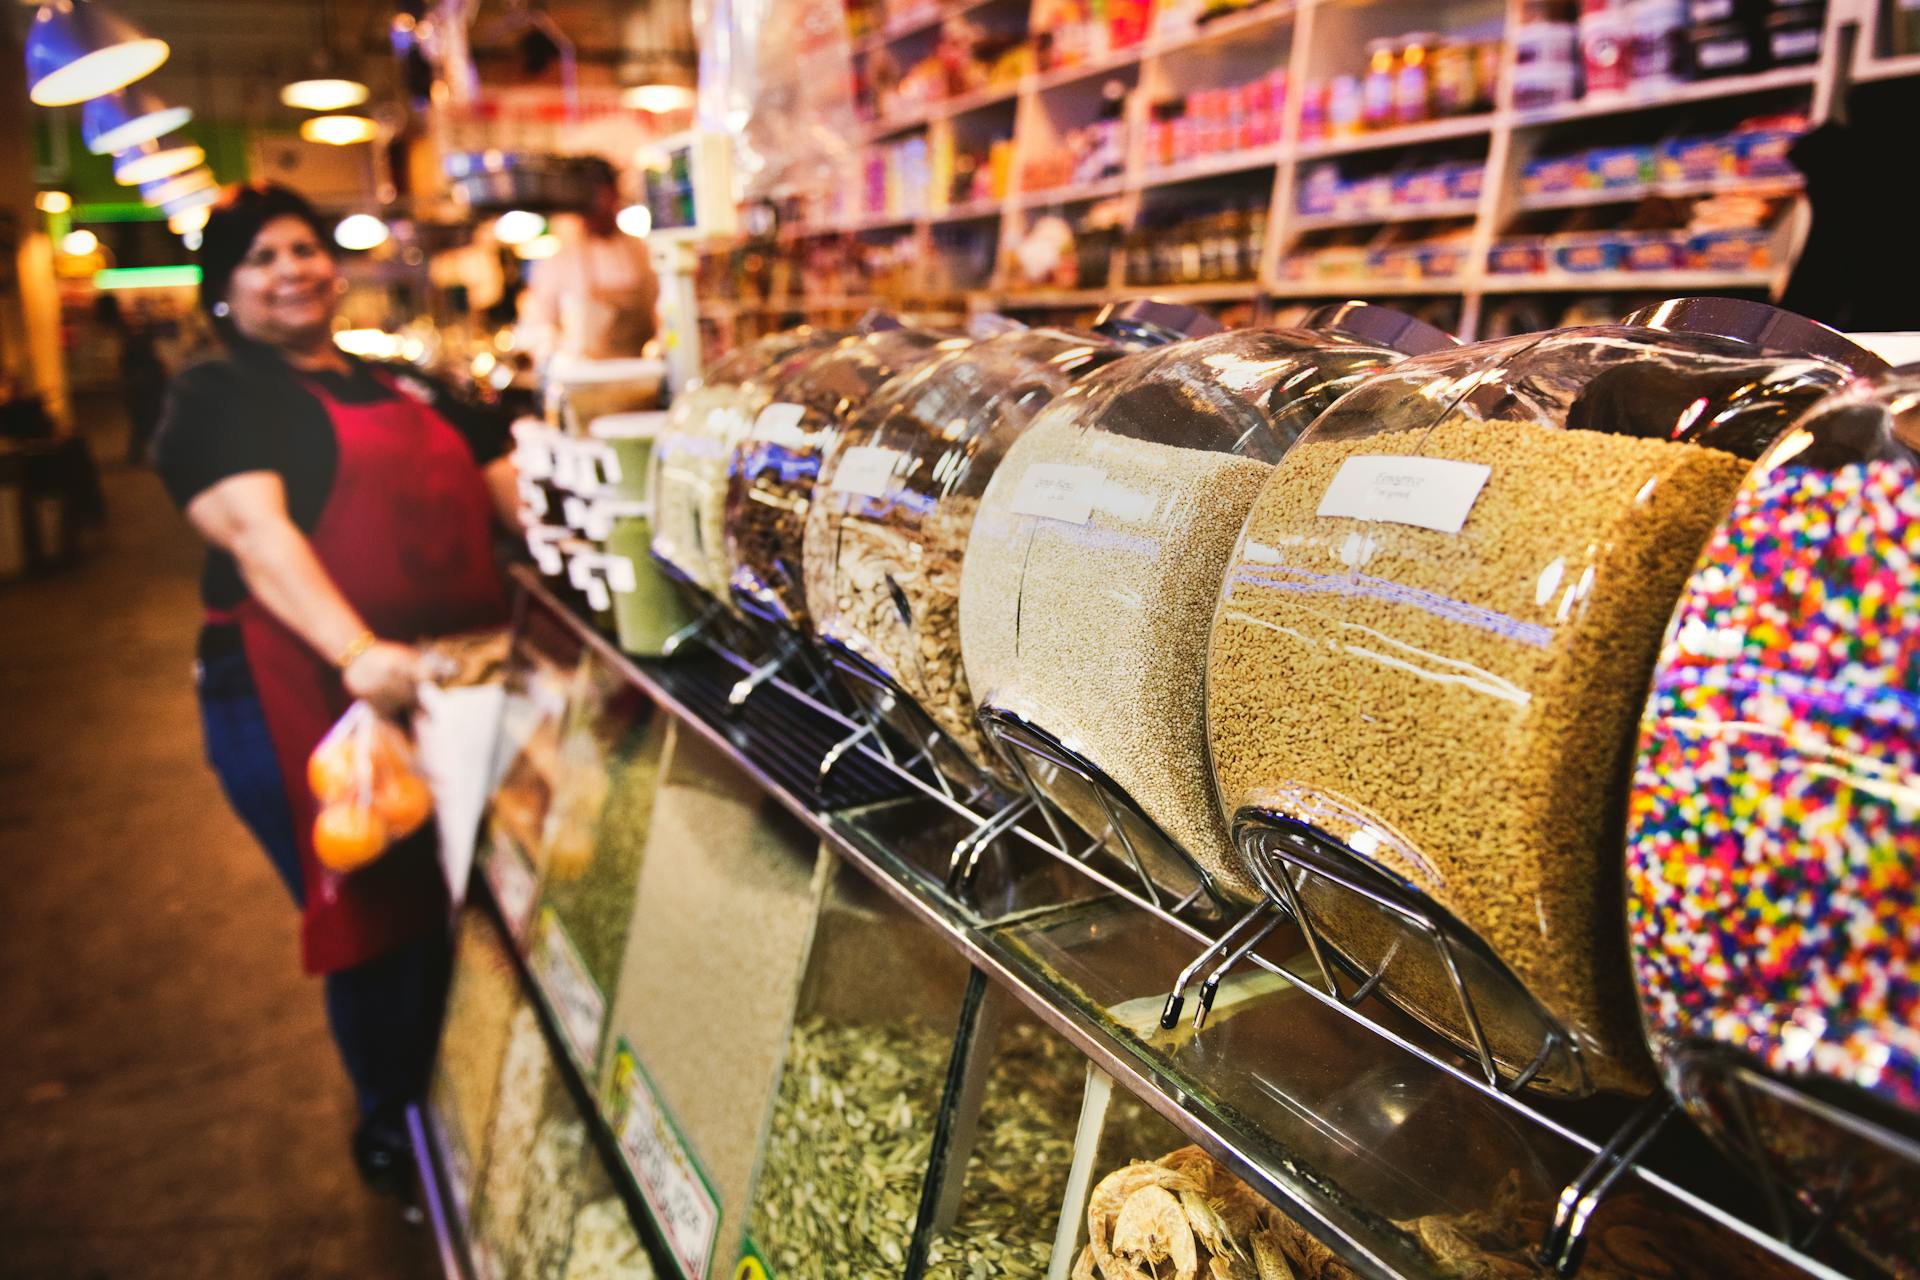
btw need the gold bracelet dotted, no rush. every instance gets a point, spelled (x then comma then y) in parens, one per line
(361, 643)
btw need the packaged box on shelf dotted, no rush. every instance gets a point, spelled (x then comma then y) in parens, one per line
(1465, 179)
(1698, 159)
(1763, 153)
(1320, 188)
(1731, 249)
(1395, 262)
(1442, 259)
(1414, 187)
(1518, 256)
(1613, 167)
(1549, 175)
(1659, 250)
(1585, 252)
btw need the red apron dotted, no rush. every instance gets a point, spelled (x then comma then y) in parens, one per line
(406, 536)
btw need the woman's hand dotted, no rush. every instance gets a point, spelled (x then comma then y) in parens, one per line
(386, 675)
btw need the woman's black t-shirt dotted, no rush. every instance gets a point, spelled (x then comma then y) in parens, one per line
(247, 411)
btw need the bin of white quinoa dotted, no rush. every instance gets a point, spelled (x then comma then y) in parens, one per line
(771, 471)
(688, 473)
(1094, 560)
(1434, 638)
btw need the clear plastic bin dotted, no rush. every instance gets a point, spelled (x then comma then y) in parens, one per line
(481, 1001)
(1094, 558)
(1432, 643)
(895, 502)
(771, 473)
(689, 463)
(1773, 842)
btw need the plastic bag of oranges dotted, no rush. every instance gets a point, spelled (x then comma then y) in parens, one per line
(370, 793)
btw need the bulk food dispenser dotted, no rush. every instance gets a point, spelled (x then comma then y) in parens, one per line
(1773, 837)
(771, 472)
(1092, 564)
(1432, 643)
(895, 502)
(688, 480)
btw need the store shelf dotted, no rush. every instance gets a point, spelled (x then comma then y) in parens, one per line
(979, 100)
(1406, 213)
(1063, 962)
(1407, 136)
(1696, 91)
(1217, 291)
(1888, 68)
(1212, 166)
(1629, 282)
(1590, 197)
(972, 211)
(899, 122)
(1073, 193)
(1048, 299)
(1271, 13)
(1119, 60)
(914, 26)
(1359, 288)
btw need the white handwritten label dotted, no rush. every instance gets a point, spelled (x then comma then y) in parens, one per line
(1431, 493)
(865, 470)
(570, 990)
(620, 574)
(779, 423)
(1057, 491)
(683, 1205)
(513, 884)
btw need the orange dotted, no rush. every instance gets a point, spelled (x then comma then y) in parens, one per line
(332, 769)
(404, 802)
(348, 836)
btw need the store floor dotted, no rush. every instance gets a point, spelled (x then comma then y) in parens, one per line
(170, 1105)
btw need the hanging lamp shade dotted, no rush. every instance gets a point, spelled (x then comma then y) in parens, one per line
(164, 191)
(112, 122)
(151, 161)
(193, 201)
(78, 49)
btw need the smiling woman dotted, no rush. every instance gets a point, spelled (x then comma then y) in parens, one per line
(347, 510)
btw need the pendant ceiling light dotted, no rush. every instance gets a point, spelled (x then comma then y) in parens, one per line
(190, 219)
(77, 49)
(358, 232)
(323, 95)
(165, 191)
(112, 122)
(659, 99)
(339, 131)
(194, 202)
(150, 161)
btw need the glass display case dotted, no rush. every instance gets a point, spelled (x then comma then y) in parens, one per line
(541, 668)
(851, 1138)
(522, 1217)
(771, 473)
(611, 752)
(481, 1001)
(688, 467)
(1773, 837)
(1095, 555)
(895, 501)
(1431, 646)
(721, 913)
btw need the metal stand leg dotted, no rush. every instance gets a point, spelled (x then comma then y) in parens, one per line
(671, 645)
(1566, 1238)
(1170, 1016)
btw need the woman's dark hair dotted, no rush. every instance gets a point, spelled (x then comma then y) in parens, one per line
(242, 210)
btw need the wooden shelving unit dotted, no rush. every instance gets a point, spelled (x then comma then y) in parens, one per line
(1314, 39)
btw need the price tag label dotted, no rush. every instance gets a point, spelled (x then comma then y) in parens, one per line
(570, 990)
(1430, 493)
(676, 1190)
(513, 884)
(779, 423)
(620, 574)
(865, 470)
(1058, 491)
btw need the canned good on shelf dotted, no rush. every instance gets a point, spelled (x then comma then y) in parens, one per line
(1095, 547)
(1773, 838)
(1431, 643)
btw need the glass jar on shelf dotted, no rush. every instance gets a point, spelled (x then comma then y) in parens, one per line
(1413, 79)
(1773, 840)
(1378, 85)
(771, 471)
(688, 471)
(1430, 647)
(896, 499)
(1095, 546)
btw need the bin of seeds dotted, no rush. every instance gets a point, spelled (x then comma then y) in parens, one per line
(687, 477)
(481, 1000)
(771, 471)
(1096, 553)
(890, 516)
(1434, 637)
(1773, 837)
